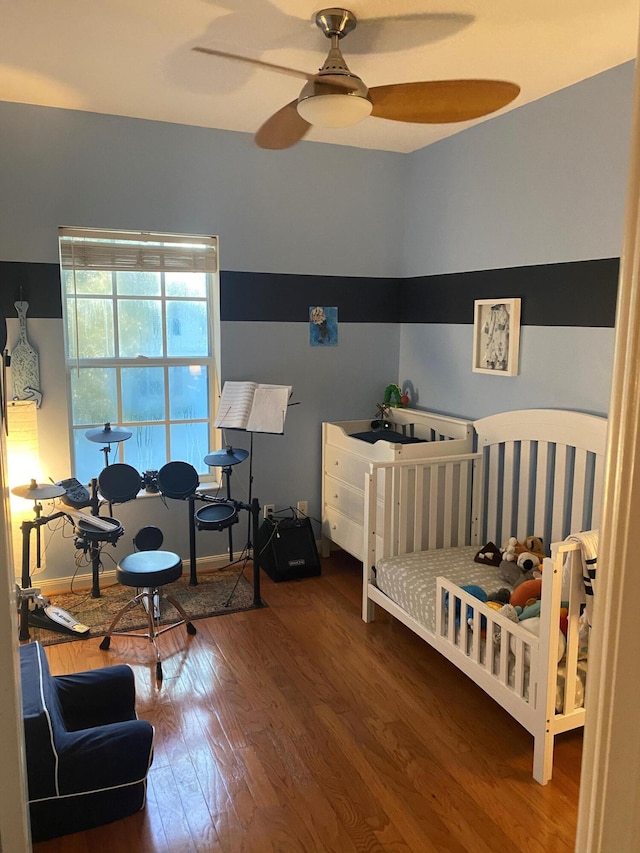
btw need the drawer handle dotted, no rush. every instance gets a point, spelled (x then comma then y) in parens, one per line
(334, 526)
(336, 462)
(336, 496)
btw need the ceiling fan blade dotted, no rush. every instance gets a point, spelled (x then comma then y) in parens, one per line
(283, 129)
(283, 69)
(441, 101)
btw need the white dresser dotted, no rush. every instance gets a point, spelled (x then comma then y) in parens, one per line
(346, 460)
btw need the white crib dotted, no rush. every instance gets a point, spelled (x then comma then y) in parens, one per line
(534, 472)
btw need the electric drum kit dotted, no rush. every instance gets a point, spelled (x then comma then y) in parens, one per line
(117, 483)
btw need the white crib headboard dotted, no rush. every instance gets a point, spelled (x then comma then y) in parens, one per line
(543, 474)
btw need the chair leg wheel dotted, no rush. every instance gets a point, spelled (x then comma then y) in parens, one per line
(191, 629)
(104, 645)
(158, 671)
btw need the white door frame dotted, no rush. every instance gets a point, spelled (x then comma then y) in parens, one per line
(15, 833)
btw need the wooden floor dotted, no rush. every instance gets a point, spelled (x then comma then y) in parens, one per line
(297, 728)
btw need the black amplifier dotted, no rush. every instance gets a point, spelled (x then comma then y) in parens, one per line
(287, 549)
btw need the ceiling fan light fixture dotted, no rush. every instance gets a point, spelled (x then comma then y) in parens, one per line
(325, 105)
(334, 110)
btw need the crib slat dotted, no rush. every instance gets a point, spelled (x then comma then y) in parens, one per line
(558, 531)
(508, 523)
(463, 504)
(447, 532)
(406, 508)
(433, 503)
(420, 508)
(598, 490)
(494, 530)
(540, 480)
(524, 494)
(578, 492)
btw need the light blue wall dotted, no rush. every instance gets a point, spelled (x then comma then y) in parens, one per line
(545, 183)
(314, 209)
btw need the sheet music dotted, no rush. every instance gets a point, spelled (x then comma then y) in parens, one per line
(269, 408)
(235, 405)
(253, 406)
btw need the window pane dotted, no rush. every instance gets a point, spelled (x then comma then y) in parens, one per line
(95, 328)
(187, 328)
(138, 283)
(186, 284)
(142, 394)
(139, 328)
(88, 457)
(88, 281)
(190, 443)
(188, 393)
(146, 450)
(93, 395)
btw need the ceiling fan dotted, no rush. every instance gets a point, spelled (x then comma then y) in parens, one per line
(335, 97)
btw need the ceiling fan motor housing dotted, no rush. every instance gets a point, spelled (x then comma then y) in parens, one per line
(335, 97)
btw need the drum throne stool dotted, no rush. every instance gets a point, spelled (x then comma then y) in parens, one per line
(149, 569)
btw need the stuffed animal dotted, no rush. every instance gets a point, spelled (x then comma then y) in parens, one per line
(535, 545)
(526, 592)
(500, 596)
(515, 573)
(489, 555)
(511, 549)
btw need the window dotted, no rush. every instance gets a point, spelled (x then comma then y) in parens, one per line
(140, 318)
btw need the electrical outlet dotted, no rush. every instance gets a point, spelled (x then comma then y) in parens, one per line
(268, 510)
(302, 507)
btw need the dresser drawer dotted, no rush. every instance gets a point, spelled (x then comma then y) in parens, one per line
(345, 466)
(343, 531)
(346, 499)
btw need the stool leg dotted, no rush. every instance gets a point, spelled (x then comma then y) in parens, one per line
(106, 642)
(190, 626)
(152, 596)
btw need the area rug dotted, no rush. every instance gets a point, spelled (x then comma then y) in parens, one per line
(216, 593)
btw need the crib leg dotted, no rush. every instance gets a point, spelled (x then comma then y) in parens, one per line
(368, 610)
(543, 757)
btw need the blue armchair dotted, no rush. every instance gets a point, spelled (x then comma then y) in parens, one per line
(87, 753)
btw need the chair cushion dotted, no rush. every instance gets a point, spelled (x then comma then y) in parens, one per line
(149, 569)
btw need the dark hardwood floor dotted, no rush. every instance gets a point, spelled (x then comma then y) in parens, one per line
(297, 728)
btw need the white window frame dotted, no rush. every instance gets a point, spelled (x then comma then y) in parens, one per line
(159, 252)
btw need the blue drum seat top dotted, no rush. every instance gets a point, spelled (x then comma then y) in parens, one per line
(149, 569)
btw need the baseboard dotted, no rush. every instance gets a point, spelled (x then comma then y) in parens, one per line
(51, 586)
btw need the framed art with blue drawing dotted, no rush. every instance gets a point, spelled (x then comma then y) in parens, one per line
(496, 336)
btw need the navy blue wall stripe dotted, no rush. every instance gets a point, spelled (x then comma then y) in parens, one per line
(581, 293)
(274, 297)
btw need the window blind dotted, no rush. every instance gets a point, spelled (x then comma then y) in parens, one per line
(136, 252)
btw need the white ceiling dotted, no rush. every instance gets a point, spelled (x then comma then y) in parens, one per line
(134, 57)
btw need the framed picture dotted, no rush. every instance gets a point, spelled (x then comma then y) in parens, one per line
(323, 326)
(496, 336)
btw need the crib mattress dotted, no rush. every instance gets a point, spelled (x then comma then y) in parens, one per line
(410, 579)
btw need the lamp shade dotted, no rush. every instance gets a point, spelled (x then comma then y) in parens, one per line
(23, 466)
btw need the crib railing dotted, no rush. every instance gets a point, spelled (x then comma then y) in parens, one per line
(504, 650)
(419, 506)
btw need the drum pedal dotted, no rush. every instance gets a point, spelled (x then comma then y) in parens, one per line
(56, 619)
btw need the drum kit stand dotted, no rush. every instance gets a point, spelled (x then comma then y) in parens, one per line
(119, 483)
